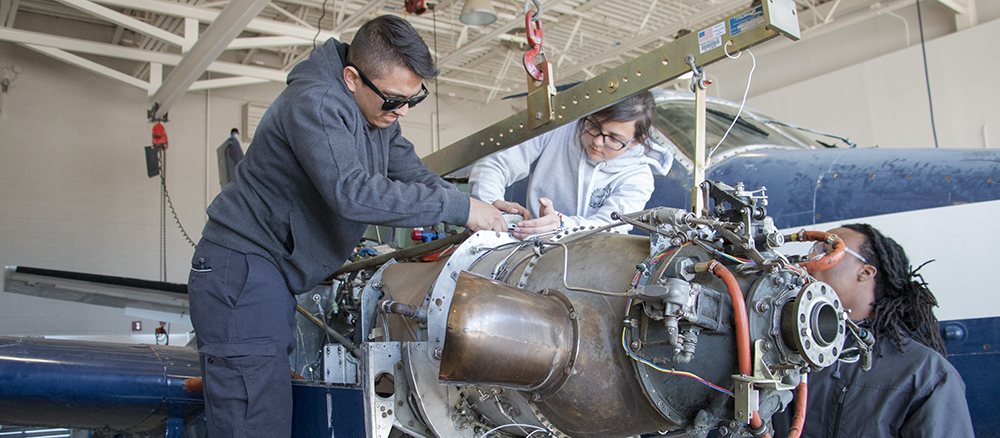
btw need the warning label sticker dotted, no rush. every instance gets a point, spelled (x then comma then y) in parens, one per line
(711, 38)
(746, 21)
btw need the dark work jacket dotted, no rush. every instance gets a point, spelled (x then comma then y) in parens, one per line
(917, 393)
(317, 173)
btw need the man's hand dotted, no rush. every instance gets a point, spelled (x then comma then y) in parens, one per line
(483, 216)
(548, 221)
(512, 207)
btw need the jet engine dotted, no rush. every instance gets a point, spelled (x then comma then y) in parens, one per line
(591, 333)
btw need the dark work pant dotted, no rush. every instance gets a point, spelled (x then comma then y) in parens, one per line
(243, 316)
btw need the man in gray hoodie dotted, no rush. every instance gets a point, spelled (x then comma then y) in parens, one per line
(327, 159)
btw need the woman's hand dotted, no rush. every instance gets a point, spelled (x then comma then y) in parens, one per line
(549, 220)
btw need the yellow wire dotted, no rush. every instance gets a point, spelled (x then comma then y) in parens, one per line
(663, 370)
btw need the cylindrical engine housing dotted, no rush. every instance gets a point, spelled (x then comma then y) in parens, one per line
(120, 387)
(628, 374)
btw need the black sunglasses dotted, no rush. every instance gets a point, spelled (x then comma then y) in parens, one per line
(391, 103)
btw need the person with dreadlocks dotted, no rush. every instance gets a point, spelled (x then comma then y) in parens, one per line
(911, 389)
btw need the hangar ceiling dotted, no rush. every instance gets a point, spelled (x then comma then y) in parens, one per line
(154, 44)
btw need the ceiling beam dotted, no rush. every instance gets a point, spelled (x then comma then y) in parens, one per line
(258, 25)
(8, 11)
(443, 5)
(840, 22)
(584, 8)
(90, 47)
(958, 6)
(220, 33)
(124, 20)
(191, 29)
(966, 15)
(87, 64)
(490, 37)
(140, 55)
(235, 81)
(669, 29)
(290, 16)
(356, 17)
(421, 23)
(268, 41)
(472, 84)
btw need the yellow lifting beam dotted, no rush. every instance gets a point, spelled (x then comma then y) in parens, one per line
(752, 26)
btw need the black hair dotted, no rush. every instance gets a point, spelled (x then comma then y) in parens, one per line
(640, 107)
(389, 41)
(904, 305)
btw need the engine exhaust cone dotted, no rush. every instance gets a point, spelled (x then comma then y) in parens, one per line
(503, 336)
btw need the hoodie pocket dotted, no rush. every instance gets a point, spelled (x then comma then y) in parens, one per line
(289, 242)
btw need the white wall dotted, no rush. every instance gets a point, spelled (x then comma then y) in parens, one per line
(884, 101)
(74, 194)
(822, 83)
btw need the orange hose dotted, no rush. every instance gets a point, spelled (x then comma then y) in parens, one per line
(193, 384)
(826, 261)
(740, 313)
(742, 328)
(743, 332)
(799, 418)
(756, 423)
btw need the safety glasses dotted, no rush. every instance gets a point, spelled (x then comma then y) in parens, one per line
(819, 249)
(391, 103)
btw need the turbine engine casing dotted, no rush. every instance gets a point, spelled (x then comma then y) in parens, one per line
(591, 333)
(513, 324)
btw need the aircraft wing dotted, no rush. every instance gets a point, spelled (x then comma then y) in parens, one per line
(141, 298)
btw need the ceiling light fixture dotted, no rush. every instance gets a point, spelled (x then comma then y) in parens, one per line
(478, 13)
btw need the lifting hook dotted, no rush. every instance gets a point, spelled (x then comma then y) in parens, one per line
(533, 25)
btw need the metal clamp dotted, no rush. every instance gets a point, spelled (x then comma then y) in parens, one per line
(745, 387)
(538, 7)
(866, 342)
(698, 80)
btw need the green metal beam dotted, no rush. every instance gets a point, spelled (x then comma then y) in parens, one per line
(752, 26)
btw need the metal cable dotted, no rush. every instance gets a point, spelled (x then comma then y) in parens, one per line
(319, 23)
(927, 78)
(166, 196)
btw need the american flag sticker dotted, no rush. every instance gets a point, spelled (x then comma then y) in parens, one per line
(711, 38)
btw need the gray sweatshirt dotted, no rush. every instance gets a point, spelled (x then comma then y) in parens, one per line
(317, 173)
(586, 192)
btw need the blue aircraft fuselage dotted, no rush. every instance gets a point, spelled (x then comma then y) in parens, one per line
(810, 186)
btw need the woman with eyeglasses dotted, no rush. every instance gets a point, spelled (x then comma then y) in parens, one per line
(583, 172)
